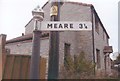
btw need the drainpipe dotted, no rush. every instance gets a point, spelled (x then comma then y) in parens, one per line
(92, 10)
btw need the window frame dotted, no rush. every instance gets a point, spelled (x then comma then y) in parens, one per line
(96, 24)
(67, 48)
(98, 58)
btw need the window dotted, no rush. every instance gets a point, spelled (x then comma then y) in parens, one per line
(105, 60)
(66, 52)
(98, 58)
(96, 24)
(67, 49)
(109, 61)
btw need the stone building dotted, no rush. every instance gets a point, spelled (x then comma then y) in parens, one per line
(95, 42)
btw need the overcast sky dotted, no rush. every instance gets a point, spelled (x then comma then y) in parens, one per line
(15, 14)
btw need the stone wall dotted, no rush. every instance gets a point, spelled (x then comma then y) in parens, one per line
(25, 47)
(79, 40)
(100, 40)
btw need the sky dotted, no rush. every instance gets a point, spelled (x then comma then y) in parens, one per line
(15, 14)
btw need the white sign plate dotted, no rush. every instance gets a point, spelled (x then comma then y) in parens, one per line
(65, 26)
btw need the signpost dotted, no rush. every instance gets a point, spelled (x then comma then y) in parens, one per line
(65, 26)
(53, 66)
(54, 27)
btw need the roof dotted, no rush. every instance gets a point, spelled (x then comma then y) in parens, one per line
(26, 37)
(108, 49)
(80, 3)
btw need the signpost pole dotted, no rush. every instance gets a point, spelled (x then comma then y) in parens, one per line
(53, 66)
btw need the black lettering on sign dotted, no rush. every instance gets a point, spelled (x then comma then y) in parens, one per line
(55, 25)
(49, 25)
(60, 26)
(80, 26)
(71, 25)
(65, 25)
(85, 26)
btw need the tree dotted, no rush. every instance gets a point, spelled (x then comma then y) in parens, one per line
(117, 61)
(77, 67)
